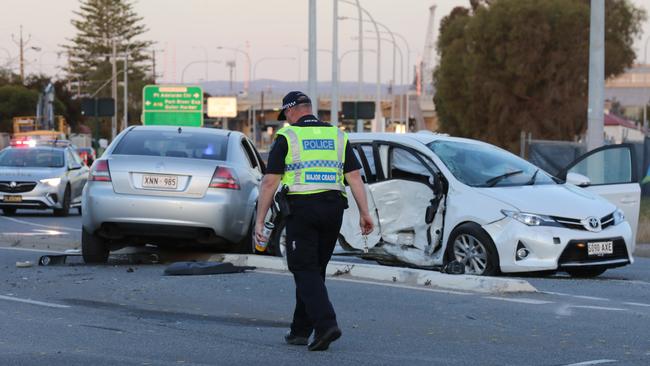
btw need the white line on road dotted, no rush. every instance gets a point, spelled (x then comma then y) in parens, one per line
(44, 251)
(39, 225)
(377, 283)
(596, 307)
(576, 296)
(594, 362)
(33, 302)
(519, 300)
(37, 232)
(636, 304)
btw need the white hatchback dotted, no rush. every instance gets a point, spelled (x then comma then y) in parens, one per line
(437, 198)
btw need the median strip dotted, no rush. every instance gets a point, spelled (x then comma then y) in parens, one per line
(409, 276)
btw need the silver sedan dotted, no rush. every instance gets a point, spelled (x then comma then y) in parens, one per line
(171, 186)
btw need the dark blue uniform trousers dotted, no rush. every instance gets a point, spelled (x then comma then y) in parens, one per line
(312, 230)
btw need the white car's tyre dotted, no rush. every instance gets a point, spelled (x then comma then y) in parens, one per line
(472, 246)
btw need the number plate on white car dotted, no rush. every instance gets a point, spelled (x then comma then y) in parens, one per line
(600, 248)
(159, 181)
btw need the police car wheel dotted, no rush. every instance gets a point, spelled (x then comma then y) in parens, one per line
(9, 211)
(65, 205)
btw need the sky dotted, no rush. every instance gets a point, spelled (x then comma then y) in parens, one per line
(275, 33)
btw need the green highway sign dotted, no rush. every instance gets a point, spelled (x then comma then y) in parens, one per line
(172, 105)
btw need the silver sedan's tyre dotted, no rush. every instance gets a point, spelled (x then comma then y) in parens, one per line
(472, 246)
(94, 249)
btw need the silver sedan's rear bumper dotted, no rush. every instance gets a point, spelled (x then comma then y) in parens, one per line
(116, 216)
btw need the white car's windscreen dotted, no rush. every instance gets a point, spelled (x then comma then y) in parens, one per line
(172, 144)
(483, 165)
(32, 158)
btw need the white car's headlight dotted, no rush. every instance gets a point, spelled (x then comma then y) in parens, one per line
(528, 218)
(54, 182)
(619, 217)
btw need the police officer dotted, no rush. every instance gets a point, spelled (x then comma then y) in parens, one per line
(311, 158)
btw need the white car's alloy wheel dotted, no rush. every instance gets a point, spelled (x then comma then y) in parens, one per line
(472, 253)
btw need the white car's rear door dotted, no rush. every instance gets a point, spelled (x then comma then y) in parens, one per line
(612, 172)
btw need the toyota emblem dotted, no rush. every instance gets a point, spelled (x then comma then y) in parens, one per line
(13, 184)
(593, 222)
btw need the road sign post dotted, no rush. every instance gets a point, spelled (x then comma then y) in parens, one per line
(172, 105)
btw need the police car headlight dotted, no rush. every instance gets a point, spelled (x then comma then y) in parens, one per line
(53, 182)
(619, 217)
(528, 218)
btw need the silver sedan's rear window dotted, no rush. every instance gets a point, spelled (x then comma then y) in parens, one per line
(193, 145)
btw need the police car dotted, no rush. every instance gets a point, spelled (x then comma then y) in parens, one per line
(37, 174)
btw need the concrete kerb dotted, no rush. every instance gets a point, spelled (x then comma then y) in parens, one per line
(406, 276)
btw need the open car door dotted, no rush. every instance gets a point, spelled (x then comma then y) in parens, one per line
(611, 172)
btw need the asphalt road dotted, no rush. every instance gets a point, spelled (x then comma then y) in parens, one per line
(132, 315)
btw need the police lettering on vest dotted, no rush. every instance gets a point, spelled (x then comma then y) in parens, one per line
(318, 144)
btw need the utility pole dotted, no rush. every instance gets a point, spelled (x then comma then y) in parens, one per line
(21, 45)
(125, 122)
(153, 59)
(114, 90)
(595, 111)
(360, 77)
(231, 66)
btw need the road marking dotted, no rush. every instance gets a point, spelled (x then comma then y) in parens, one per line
(377, 284)
(33, 302)
(576, 296)
(636, 304)
(39, 225)
(45, 251)
(596, 308)
(37, 232)
(594, 362)
(520, 300)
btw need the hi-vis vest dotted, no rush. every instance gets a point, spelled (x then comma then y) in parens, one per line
(315, 158)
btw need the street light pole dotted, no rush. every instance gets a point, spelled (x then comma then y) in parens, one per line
(114, 90)
(299, 51)
(248, 62)
(379, 120)
(313, 72)
(595, 111)
(254, 118)
(207, 59)
(334, 108)
(194, 63)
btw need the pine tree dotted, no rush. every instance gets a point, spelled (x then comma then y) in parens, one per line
(99, 23)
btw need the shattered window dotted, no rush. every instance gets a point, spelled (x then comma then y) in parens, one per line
(405, 165)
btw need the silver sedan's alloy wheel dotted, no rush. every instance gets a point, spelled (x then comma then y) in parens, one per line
(472, 253)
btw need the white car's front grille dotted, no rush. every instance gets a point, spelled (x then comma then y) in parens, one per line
(577, 224)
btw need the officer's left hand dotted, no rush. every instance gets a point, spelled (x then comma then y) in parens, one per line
(259, 236)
